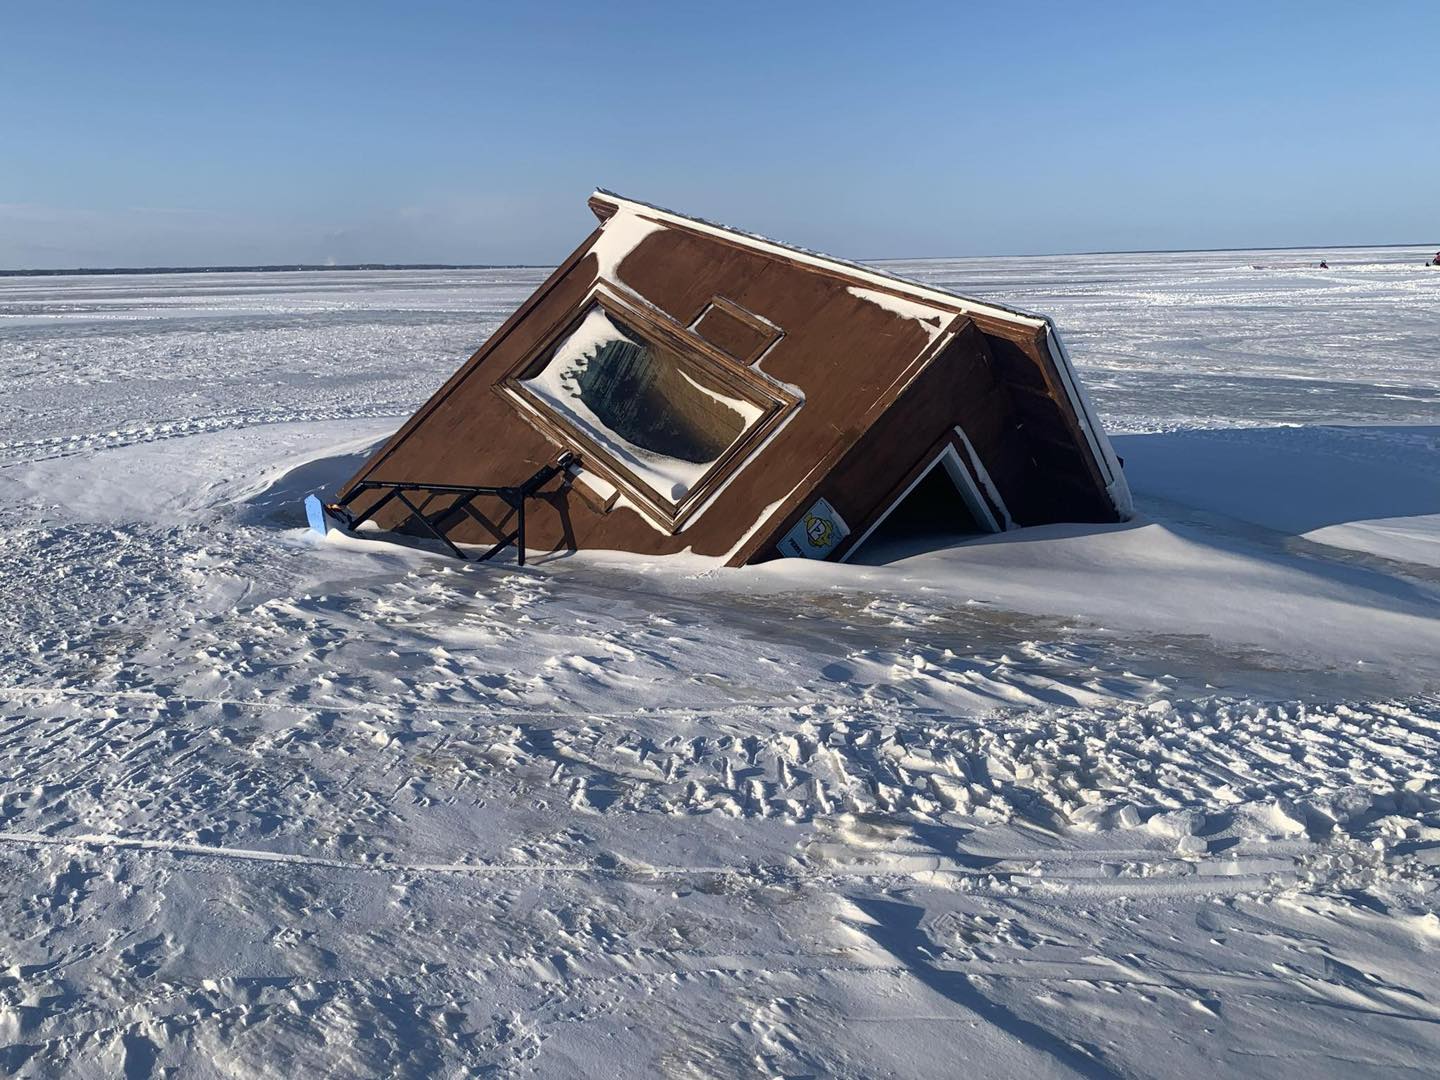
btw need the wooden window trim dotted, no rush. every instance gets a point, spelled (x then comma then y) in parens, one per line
(775, 403)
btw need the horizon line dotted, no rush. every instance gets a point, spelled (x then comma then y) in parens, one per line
(298, 267)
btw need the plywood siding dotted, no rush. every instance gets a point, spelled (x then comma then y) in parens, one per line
(866, 373)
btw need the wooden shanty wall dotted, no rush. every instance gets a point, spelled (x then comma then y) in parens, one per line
(861, 380)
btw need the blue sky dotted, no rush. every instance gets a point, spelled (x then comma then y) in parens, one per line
(150, 133)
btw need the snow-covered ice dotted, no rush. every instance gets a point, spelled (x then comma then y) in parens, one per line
(1154, 799)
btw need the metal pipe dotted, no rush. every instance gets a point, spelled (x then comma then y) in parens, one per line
(415, 513)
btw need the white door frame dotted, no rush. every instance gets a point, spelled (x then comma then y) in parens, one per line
(965, 487)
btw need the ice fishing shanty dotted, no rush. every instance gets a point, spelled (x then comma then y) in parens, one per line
(676, 385)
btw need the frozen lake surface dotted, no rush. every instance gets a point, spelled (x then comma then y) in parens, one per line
(1157, 799)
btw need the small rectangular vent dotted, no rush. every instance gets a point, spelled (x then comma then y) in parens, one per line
(739, 333)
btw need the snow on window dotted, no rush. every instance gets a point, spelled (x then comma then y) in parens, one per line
(663, 418)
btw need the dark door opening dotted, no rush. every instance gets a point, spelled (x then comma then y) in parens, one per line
(932, 515)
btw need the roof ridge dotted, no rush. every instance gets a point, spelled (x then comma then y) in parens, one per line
(822, 257)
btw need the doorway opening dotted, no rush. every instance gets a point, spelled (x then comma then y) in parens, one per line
(941, 507)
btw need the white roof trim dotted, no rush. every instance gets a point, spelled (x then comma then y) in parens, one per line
(1116, 486)
(891, 282)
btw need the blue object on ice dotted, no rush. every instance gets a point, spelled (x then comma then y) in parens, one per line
(315, 511)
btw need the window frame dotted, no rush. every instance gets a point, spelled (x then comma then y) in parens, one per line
(657, 330)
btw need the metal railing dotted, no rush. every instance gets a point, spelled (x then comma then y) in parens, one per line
(513, 495)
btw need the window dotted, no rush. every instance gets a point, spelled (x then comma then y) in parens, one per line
(665, 420)
(665, 414)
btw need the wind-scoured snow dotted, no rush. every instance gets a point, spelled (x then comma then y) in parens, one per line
(1152, 799)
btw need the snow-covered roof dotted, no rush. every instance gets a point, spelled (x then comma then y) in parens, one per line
(818, 259)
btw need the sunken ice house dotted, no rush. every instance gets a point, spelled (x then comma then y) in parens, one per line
(677, 385)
